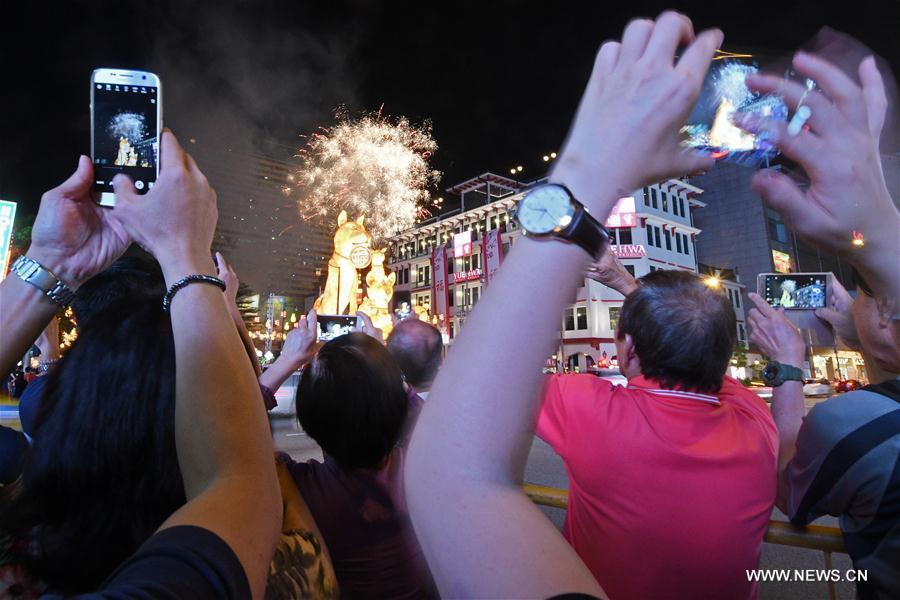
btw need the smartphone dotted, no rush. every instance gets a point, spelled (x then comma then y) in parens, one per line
(126, 121)
(334, 326)
(710, 128)
(800, 294)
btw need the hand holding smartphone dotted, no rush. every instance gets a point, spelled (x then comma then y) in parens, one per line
(333, 326)
(800, 294)
(126, 122)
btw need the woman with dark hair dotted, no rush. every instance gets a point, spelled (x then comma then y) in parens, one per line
(352, 401)
(102, 474)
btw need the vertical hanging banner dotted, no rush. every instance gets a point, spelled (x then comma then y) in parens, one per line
(493, 255)
(7, 216)
(439, 288)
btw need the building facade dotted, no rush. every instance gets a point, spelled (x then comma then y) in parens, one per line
(652, 229)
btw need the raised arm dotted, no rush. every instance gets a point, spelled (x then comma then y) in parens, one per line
(780, 340)
(224, 447)
(481, 535)
(300, 345)
(227, 274)
(73, 238)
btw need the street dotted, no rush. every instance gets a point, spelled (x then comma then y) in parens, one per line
(546, 468)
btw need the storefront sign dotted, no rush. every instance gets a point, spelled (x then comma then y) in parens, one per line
(463, 276)
(629, 251)
(7, 216)
(623, 214)
(493, 254)
(439, 291)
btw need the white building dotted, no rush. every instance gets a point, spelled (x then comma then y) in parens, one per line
(659, 234)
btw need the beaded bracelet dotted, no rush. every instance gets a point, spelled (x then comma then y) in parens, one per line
(185, 281)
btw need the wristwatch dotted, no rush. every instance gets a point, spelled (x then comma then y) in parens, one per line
(31, 271)
(550, 210)
(776, 373)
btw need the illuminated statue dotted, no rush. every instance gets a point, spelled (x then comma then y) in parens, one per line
(351, 252)
(379, 290)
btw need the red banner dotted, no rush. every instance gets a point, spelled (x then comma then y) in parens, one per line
(493, 255)
(439, 289)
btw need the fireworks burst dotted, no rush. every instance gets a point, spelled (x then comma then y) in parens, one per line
(128, 125)
(374, 166)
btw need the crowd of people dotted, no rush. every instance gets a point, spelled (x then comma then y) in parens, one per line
(146, 466)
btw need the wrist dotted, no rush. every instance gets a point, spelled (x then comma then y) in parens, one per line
(789, 359)
(62, 267)
(597, 190)
(182, 264)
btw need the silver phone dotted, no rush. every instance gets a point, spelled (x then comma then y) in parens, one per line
(800, 294)
(126, 122)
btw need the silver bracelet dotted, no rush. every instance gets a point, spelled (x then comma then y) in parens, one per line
(32, 272)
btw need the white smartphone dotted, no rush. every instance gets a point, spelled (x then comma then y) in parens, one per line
(334, 326)
(800, 294)
(126, 121)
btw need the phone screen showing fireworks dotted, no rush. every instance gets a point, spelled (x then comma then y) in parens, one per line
(125, 136)
(804, 291)
(710, 127)
(334, 326)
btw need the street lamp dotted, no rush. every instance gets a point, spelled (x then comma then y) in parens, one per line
(712, 281)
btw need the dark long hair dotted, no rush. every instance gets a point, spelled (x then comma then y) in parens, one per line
(102, 474)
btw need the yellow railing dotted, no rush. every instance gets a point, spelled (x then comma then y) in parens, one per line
(813, 537)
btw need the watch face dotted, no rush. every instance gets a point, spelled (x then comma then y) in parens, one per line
(545, 209)
(770, 373)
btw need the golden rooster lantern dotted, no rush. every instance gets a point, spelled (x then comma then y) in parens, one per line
(352, 252)
(379, 290)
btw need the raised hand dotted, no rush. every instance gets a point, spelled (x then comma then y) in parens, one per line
(73, 236)
(176, 220)
(839, 313)
(773, 332)
(626, 131)
(846, 208)
(369, 328)
(301, 342)
(227, 274)
(610, 272)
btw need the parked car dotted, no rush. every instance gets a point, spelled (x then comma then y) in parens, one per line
(847, 385)
(611, 375)
(817, 387)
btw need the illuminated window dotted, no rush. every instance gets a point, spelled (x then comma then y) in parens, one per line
(614, 316)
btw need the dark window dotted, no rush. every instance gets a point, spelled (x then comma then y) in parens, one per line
(737, 299)
(467, 263)
(665, 202)
(625, 236)
(451, 298)
(452, 329)
(668, 239)
(657, 236)
(451, 265)
(687, 247)
(653, 197)
(678, 242)
(475, 293)
(646, 197)
(476, 261)
(777, 231)
(681, 204)
(581, 317)
(650, 241)
(630, 269)
(427, 274)
(570, 320)
(741, 331)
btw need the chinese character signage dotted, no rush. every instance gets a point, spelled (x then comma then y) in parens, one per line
(470, 275)
(623, 214)
(493, 255)
(7, 216)
(439, 288)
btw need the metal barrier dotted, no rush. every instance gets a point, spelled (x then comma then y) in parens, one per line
(812, 537)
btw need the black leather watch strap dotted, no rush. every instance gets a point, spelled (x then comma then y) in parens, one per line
(587, 232)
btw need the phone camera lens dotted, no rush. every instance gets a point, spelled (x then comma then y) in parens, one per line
(143, 77)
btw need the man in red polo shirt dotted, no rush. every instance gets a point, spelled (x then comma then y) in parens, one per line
(672, 479)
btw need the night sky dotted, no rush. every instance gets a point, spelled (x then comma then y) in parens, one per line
(499, 80)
